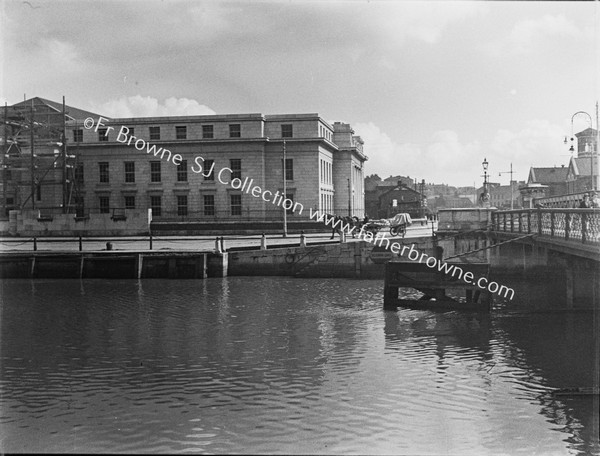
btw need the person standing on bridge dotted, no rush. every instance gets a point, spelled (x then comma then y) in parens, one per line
(585, 203)
(594, 200)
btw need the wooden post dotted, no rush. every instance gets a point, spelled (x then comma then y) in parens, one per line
(81, 264)
(570, 285)
(139, 265)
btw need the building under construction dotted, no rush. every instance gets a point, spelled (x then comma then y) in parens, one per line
(39, 163)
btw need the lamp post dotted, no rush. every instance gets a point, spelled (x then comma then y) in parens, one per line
(572, 149)
(485, 196)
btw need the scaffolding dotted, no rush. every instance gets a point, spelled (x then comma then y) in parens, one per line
(38, 167)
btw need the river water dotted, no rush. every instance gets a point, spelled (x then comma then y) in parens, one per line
(283, 365)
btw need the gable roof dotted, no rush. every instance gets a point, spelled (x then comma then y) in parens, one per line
(552, 175)
(71, 112)
(582, 166)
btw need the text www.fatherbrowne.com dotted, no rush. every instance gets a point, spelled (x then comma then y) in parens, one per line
(278, 199)
(413, 254)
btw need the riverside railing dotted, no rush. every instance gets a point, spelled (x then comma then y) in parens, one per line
(575, 225)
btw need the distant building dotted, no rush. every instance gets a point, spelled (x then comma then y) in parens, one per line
(554, 179)
(401, 199)
(582, 172)
(449, 202)
(375, 187)
(501, 195)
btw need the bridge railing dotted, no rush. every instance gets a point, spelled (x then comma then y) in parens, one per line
(575, 225)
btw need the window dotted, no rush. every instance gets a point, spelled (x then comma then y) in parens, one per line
(79, 173)
(236, 204)
(154, 133)
(154, 171)
(78, 135)
(289, 168)
(182, 171)
(290, 196)
(103, 134)
(103, 167)
(235, 164)
(129, 171)
(209, 165)
(287, 131)
(181, 132)
(208, 131)
(182, 205)
(104, 204)
(209, 205)
(129, 202)
(156, 205)
(38, 192)
(235, 131)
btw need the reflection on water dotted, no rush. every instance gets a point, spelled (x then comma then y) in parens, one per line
(263, 365)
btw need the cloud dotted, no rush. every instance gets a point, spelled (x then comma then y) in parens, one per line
(528, 34)
(138, 106)
(446, 158)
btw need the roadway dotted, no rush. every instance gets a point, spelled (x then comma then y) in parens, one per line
(180, 243)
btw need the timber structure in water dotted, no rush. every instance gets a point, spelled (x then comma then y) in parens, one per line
(454, 288)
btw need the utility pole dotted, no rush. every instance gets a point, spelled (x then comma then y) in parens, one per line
(597, 186)
(512, 198)
(64, 154)
(5, 159)
(31, 138)
(284, 191)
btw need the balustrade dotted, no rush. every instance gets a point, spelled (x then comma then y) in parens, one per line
(576, 225)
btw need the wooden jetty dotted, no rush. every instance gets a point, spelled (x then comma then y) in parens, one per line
(435, 284)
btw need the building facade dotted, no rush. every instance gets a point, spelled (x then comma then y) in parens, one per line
(211, 168)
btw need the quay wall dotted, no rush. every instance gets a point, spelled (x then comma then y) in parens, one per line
(358, 259)
(29, 223)
(131, 222)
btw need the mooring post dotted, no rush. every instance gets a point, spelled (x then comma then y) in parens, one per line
(302, 239)
(150, 241)
(222, 244)
(263, 242)
(217, 245)
(80, 243)
(34, 244)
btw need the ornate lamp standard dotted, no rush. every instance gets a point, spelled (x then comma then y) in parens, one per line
(572, 149)
(484, 198)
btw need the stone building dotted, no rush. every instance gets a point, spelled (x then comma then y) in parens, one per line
(582, 174)
(553, 179)
(212, 168)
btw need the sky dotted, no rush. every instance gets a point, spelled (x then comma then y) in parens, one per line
(431, 87)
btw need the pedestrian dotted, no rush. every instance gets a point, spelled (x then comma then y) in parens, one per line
(594, 200)
(585, 203)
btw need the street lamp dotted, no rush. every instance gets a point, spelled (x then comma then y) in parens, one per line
(485, 197)
(572, 149)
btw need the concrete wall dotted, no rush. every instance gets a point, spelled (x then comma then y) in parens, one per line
(26, 223)
(357, 259)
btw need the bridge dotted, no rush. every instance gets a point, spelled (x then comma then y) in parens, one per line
(570, 231)
(557, 246)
